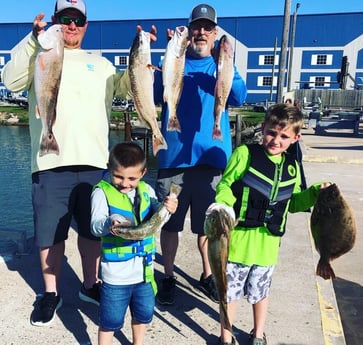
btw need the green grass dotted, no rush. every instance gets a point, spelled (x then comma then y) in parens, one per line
(16, 110)
(249, 118)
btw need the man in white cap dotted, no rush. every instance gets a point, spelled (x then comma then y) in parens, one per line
(194, 159)
(62, 184)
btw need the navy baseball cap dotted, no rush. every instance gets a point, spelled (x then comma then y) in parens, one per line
(203, 11)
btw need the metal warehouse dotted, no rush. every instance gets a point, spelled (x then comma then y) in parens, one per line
(327, 48)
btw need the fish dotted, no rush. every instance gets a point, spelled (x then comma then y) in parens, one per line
(150, 227)
(47, 78)
(217, 226)
(225, 74)
(141, 75)
(333, 227)
(173, 74)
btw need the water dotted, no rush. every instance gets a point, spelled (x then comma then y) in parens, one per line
(15, 177)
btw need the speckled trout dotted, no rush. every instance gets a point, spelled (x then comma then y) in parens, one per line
(47, 78)
(225, 73)
(217, 226)
(333, 227)
(141, 75)
(173, 74)
(154, 224)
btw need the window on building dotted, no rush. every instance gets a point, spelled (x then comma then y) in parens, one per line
(322, 59)
(121, 61)
(319, 82)
(264, 60)
(268, 60)
(266, 81)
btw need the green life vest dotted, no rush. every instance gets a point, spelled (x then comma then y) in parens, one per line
(115, 248)
(263, 193)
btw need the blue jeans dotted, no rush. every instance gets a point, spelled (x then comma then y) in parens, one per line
(116, 298)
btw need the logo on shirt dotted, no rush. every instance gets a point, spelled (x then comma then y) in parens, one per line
(292, 170)
(90, 67)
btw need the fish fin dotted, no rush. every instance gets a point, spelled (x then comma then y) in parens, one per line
(174, 124)
(154, 67)
(325, 270)
(48, 144)
(165, 96)
(37, 113)
(41, 62)
(159, 144)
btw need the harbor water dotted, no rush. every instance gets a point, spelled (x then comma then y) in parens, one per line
(15, 181)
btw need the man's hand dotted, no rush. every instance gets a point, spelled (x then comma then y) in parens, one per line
(38, 25)
(153, 32)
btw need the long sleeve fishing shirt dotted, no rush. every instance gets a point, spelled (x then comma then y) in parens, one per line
(194, 145)
(88, 84)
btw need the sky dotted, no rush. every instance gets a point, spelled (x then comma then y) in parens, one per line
(21, 11)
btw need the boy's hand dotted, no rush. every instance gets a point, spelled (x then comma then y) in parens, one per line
(325, 185)
(119, 220)
(217, 206)
(171, 204)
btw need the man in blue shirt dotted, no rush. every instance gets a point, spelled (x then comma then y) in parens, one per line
(194, 159)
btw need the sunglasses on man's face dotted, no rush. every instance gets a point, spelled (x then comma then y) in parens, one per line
(65, 20)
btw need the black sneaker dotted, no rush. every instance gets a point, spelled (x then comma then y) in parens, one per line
(166, 291)
(208, 287)
(257, 341)
(92, 295)
(44, 312)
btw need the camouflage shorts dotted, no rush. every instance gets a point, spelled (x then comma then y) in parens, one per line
(252, 282)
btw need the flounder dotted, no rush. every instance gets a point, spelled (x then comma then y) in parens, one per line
(333, 227)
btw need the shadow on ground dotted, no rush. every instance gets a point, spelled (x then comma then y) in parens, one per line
(349, 297)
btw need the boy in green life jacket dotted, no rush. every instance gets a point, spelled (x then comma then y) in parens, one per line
(260, 185)
(121, 197)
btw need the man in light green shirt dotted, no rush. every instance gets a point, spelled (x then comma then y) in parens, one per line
(62, 183)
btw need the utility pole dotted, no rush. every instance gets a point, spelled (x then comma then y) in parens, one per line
(283, 52)
(273, 70)
(292, 46)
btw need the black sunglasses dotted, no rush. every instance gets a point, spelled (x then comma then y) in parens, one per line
(208, 27)
(65, 20)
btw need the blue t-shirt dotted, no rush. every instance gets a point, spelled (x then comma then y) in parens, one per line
(194, 145)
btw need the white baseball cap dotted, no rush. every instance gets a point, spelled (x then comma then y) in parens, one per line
(76, 4)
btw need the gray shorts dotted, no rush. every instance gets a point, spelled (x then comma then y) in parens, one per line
(61, 196)
(252, 282)
(198, 192)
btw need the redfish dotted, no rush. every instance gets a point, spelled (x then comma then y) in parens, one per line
(225, 73)
(141, 75)
(217, 226)
(173, 74)
(47, 78)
